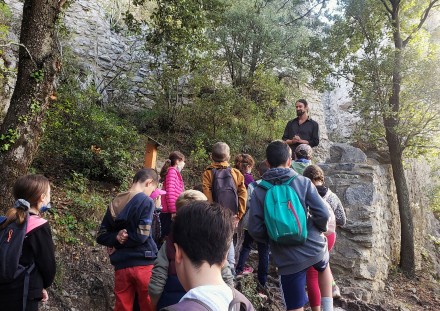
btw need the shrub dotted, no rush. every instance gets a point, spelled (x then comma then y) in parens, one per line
(84, 137)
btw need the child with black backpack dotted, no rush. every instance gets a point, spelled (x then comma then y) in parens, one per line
(27, 256)
(279, 211)
(225, 185)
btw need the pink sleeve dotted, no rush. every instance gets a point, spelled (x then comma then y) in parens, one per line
(173, 189)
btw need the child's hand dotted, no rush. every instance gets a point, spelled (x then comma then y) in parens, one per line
(45, 296)
(235, 221)
(122, 236)
(110, 250)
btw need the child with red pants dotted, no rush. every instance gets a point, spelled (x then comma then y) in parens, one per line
(316, 175)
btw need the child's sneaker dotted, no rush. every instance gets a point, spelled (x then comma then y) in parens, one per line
(336, 292)
(246, 271)
(262, 291)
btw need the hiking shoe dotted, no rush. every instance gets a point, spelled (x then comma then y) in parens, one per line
(336, 292)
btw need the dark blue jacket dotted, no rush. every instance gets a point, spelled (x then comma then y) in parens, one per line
(136, 217)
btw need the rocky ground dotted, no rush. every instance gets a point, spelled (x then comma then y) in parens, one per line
(85, 282)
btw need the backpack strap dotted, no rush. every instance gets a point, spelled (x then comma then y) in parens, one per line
(34, 222)
(239, 298)
(188, 304)
(27, 275)
(267, 185)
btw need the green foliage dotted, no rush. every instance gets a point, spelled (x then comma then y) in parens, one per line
(82, 211)
(83, 137)
(361, 47)
(37, 75)
(5, 18)
(246, 119)
(253, 34)
(8, 139)
(247, 286)
(435, 201)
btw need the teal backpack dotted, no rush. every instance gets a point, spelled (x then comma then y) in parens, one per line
(284, 215)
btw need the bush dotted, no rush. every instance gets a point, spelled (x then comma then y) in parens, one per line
(83, 137)
(78, 209)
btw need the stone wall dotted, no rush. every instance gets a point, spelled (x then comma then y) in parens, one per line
(369, 244)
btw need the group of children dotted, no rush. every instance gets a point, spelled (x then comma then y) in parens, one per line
(188, 263)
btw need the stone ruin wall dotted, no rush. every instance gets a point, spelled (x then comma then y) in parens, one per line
(368, 246)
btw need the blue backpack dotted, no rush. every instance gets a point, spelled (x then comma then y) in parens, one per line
(284, 215)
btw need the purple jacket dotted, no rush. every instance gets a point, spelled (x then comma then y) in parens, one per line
(173, 185)
(248, 178)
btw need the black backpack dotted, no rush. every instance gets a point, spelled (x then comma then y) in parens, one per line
(11, 246)
(224, 189)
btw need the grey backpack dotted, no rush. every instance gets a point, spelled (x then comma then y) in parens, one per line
(238, 303)
(224, 189)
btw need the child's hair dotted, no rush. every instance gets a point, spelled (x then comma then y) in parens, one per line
(28, 188)
(314, 173)
(171, 161)
(304, 151)
(146, 173)
(220, 152)
(198, 187)
(262, 167)
(189, 196)
(277, 153)
(204, 231)
(243, 162)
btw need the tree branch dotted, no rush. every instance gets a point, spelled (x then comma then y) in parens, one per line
(305, 14)
(386, 6)
(421, 22)
(23, 46)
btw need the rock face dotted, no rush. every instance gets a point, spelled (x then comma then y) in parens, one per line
(104, 54)
(369, 244)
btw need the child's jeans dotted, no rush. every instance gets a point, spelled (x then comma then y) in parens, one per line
(263, 257)
(231, 257)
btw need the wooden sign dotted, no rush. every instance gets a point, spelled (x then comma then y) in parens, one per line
(151, 153)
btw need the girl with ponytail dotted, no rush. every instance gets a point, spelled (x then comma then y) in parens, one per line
(173, 185)
(32, 194)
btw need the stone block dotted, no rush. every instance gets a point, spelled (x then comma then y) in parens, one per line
(360, 194)
(358, 227)
(343, 153)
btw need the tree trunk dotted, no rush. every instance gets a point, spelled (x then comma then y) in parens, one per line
(38, 64)
(407, 255)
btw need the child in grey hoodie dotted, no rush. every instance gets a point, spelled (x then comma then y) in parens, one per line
(294, 260)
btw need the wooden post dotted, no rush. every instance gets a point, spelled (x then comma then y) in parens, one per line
(151, 153)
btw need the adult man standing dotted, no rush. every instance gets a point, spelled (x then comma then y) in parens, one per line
(302, 129)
